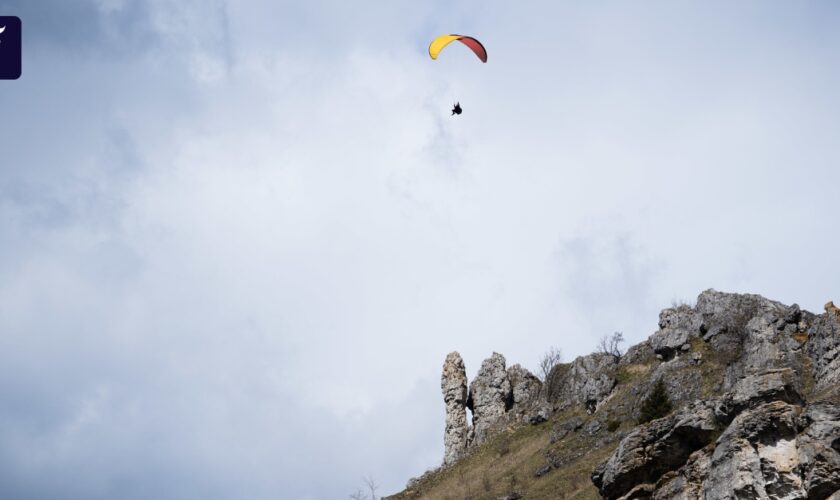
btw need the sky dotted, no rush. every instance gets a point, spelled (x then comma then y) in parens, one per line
(238, 238)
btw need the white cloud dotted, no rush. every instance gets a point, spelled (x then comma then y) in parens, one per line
(238, 256)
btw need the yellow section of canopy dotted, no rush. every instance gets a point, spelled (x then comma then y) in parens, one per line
(439, 43)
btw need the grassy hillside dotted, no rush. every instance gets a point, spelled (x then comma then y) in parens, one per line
(508, 464)
(730, 350)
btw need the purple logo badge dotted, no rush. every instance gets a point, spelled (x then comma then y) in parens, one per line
(10, 48)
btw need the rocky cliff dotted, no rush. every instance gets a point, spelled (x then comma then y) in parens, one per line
(768, 427)
(755, 390)
(497, 396)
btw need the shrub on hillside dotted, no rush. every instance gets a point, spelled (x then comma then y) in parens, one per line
(656, 405)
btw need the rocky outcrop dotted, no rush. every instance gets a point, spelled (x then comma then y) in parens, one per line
(767, 342)
(490, 396)
(453, 383)
(651, 450)
(772, 385)
(770, 446)
(818, 446)
(525, 387)
(526, 391)
(778, 450)
(772, 443)
(677, 325)
(496, 396)
(824, 347)
(722, 311)
(587, 381)
(745, 334)
(686, 482)
(755, 387)
(757, 456)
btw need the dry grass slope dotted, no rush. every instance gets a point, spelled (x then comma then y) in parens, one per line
(506, 464)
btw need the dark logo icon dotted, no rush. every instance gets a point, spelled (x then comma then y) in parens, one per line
(10, 48)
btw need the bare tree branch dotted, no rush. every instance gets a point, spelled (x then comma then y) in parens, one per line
(549, 360)
(610, 344)
(370, 482)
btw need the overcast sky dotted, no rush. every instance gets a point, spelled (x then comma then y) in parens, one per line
(238, 238)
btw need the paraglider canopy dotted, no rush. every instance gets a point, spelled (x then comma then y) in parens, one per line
(442, 41)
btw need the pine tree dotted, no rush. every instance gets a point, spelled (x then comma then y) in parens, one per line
(656, 405)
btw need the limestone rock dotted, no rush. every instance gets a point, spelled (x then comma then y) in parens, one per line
(819, 450)
(677, 325)
(453, 383)
(757, 456)
(687, 482)
(733, 310)
(497, 397)
(680, 377)
(824, 347)
(639, 353)
(772, 450)
(772, 385)
(539, 414)
(737, 369)
(763, 346)
(773, 445)
(655, 448)
(525, 389)
(793, 314)
(490, 396)
(587, 381)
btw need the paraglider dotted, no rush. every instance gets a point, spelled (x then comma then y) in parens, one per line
(442, 41)
(439, 43)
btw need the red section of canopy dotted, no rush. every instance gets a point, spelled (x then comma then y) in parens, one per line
(476, 47)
